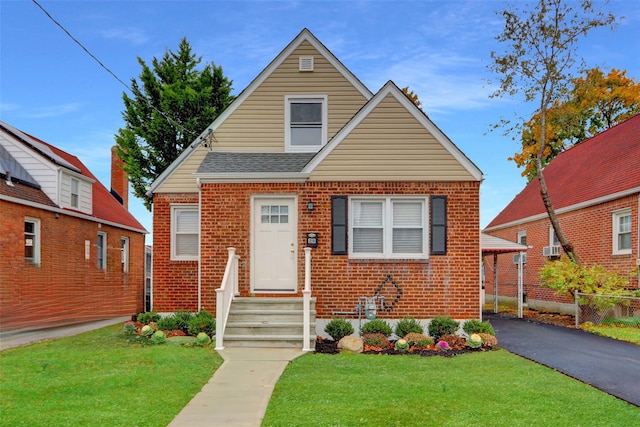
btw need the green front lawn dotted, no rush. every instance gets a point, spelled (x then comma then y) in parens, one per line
(477, 389)
(629, 334)
(99, 379)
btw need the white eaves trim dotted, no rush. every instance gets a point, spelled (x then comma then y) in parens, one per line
(70, 213)
(581, 205)
(218, 178)
(391, 89)
(305, 35)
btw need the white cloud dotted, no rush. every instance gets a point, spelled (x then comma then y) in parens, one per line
(51, 111)
(135, 36)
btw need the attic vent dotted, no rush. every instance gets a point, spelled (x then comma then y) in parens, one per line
(305, 63)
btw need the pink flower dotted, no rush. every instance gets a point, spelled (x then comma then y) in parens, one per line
(443, 345)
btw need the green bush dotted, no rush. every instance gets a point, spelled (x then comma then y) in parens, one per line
(376, 326)
(376, 340)
(476, 327)
(338, 328)
(168, 323)
(183, 317)
(441, 325)
(158, 337)
(416, 339)
(148, 317)
(202, 339)
(202, 322)
(407, 325)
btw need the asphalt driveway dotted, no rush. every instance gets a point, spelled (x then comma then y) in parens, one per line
(610, 365)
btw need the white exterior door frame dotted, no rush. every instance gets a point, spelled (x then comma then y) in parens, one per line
(274, 243)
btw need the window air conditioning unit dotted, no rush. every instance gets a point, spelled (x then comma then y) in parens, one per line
(516, 258)
(550, 251)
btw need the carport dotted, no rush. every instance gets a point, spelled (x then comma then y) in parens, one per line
(492, 245)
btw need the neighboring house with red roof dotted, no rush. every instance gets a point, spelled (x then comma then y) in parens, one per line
(71, 251)
(307, 160)
(595, 189)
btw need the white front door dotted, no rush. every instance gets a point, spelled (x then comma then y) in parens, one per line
(274, 245)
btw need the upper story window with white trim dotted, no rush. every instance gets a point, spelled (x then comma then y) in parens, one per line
(75, 193)
(553, 237)
(389, 227)
(102, 250)
(32, 240)
(622, 232)
(521, 237)
(305, 122)
(185, 234)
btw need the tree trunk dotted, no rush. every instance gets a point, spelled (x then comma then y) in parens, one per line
(567, 246)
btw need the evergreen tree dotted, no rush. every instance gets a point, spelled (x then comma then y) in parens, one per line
(174, 105)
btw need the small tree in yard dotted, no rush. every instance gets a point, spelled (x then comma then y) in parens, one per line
(542, 43)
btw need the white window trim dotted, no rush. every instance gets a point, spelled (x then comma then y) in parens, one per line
(616, 231)
(103, 250)
(174, 256)
(77, 193)
(287, 123)
(552, 233)
(36, 240)
(387, 225)
(520, 234)
(125, 253)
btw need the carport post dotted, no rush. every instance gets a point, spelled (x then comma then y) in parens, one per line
(520, 284)
(495, 282)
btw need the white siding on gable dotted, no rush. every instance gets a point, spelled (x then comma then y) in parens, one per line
(43, 171)
(85, 195)
(390, 145)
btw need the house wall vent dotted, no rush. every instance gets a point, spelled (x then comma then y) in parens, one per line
(305, 63)
(550, 251)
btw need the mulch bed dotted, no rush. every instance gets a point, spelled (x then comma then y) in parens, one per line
(548, 318)
(328, 346)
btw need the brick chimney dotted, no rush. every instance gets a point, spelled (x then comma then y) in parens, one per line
(119, 179)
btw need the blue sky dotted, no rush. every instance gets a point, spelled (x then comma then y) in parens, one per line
(52, 89)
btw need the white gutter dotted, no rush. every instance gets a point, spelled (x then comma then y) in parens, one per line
(70, 213)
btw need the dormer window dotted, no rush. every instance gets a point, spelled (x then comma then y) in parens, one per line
(75, 186)
(305, 122)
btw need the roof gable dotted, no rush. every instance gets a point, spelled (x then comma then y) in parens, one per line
(603, 166)
(304, 38)
(424, 152)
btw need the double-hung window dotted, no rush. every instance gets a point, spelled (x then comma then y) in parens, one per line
(305, 122)
(622, 232)
(184, 232)
(388, 227)
(102, 250)
(124, 243)
(75, 193)
(32, 240)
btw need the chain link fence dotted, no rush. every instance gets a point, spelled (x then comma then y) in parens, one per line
(607, 310)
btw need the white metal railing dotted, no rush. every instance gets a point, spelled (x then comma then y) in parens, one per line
(224, 296)
(306, 302)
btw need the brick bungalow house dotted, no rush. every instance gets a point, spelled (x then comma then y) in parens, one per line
(71, 251)
(595, 189)
(307, 156)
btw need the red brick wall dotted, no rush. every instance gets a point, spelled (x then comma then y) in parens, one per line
(589, 229)
(65, 288)
(443, 285)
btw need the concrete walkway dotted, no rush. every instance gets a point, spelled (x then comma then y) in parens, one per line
(238, 393)
(609, 365)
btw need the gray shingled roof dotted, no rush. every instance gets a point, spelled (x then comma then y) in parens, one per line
(226, 162)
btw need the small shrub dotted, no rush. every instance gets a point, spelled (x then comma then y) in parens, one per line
(158, 337)
(416, 339)
(474, 341)
(338, 328)
(402, 345)
(488, 340)
(476, 326)
(440, 326)
(168, 323)
(376, 340)
(376, 326)
(202, 339)
(408, 325)
(148, 317)
(183, 318)
(454, 341)
(129, 328)
(202, 322)
(146, 331)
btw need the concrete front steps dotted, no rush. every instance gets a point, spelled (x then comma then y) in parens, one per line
(268, 322)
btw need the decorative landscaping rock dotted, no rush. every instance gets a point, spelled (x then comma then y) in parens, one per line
(352, 344)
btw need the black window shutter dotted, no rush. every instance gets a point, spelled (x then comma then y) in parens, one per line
(339, 225)
(438, 225)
